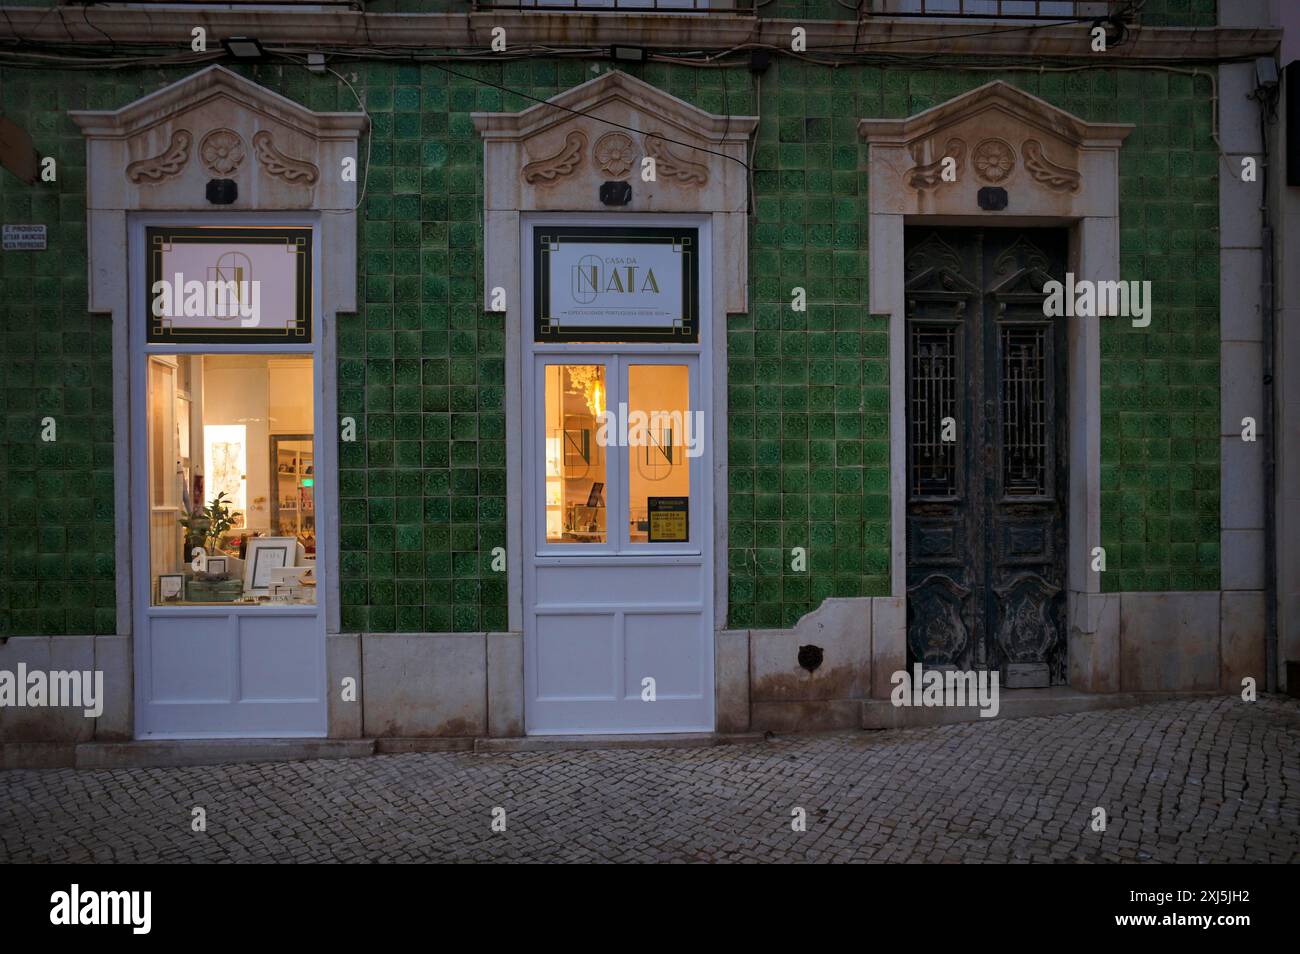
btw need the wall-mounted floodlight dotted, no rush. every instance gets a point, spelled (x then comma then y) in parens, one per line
(627, 54)
(243, 48)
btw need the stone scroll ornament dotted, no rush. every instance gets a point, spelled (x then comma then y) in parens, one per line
(1056, 177)
(674, 167)
(552, 168)
(930, 174)
(165, 164)
(278, 164)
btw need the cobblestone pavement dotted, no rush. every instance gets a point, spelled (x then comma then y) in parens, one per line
(1206, 780)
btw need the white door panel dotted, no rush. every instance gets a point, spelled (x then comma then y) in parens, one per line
(665, 647)
(576, 657)
(272, 653)
(613, 583)
(189, 659)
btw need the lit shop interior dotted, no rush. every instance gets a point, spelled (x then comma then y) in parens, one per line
(579, 471)
(232, 479)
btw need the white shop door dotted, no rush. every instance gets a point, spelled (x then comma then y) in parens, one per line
(618, 535)
(245, 415)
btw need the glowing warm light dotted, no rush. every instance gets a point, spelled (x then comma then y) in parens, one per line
(597, 400)
(553, 457)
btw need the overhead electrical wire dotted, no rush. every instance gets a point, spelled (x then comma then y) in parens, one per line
(858, 55)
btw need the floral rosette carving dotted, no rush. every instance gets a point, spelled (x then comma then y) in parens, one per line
(994, 160)
(222, 151)
(615, 153)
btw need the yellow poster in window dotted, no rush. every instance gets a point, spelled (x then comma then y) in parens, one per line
(669, 519)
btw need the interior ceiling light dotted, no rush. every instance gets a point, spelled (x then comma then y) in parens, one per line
(243, 47)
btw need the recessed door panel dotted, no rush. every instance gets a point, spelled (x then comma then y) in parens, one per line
(576, 657)
(613, 584)
(271, 656)
(191, 659)
(662, 647)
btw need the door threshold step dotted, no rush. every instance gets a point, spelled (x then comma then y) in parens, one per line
(658, 740)
(1015, 704)
(165, 753)
(404, 745)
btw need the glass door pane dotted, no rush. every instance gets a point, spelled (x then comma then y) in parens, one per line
(574, 458)
(662, 437)
(232, 475)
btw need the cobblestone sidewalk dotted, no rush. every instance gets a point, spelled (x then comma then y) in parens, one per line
(1208, 780)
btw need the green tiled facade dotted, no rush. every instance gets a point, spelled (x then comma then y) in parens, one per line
(56, 497)
(421, 366)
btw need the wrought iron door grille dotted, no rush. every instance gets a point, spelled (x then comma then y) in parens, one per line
(933, 382)
(1024, 410)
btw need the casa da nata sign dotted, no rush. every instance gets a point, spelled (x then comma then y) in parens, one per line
(616, 284)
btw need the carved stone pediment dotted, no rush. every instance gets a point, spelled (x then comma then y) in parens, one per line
(1050, 163)
(547, 158)
(555, 156)
(160, 151)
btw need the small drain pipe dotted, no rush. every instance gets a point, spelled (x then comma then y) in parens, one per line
(1266, 96)
(1270, 465)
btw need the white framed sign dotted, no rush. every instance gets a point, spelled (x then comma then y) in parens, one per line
(619, 283)
(265, 555)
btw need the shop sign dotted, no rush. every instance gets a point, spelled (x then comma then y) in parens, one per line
(228, 284)
(616, 284)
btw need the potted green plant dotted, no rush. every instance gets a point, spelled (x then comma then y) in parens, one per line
(205, 527)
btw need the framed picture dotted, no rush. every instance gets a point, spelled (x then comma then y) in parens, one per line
(217, 565)
(264, 555)
(171, 587)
